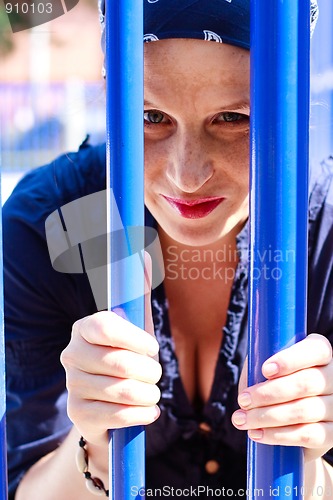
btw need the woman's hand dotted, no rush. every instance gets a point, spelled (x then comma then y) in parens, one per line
(294, 406)
(111, 374)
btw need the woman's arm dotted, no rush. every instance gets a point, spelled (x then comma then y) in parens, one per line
(318, 480)
(56, 476)
(111, 377)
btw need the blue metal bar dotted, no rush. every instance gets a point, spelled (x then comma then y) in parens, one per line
(3, 446)
(124, 101)
(280, 38)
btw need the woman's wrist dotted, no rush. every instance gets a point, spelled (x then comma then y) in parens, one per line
(97, 454)
(318, 479)
(94, 484)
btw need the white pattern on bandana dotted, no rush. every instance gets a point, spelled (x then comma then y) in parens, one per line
(212, 36)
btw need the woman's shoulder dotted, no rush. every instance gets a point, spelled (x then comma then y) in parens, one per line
(68, 177)
(320, 205)
(320, 298)
(321, 186)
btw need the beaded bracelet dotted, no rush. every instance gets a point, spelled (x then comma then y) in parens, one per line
(94, 484)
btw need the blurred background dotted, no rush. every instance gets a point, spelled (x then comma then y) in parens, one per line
(321, 118)
(52, 91)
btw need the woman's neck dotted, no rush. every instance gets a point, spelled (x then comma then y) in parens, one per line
(179, 257)
(198, 283)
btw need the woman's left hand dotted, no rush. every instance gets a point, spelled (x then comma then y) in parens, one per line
(294, 406)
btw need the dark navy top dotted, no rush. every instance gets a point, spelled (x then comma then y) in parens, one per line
(41, 305)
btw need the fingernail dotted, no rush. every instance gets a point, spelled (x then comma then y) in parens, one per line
(244, 399)
(256, 434)
(239, 418)
(153, 350)
(271, 369)
(157, 412)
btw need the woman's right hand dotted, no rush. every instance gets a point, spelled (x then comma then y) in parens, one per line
(111, 374)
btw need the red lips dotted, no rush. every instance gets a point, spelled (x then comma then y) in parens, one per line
(194, 209)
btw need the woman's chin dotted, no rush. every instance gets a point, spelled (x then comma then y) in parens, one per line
(194, 236)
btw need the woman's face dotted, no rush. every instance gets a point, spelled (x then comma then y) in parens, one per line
(196, 138)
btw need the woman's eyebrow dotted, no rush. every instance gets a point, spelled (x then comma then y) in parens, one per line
(237, 105)
(147, 103)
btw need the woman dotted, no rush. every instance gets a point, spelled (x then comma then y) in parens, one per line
(196, 192)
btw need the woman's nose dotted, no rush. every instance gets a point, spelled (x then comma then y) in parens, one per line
(190, 165)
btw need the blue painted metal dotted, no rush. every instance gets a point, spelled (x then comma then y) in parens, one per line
(3, 446)
(278, 212)
(124, 91)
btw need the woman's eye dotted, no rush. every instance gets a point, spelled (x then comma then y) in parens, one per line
(154, 116)
(230, 117)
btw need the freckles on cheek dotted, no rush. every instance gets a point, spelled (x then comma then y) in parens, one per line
(154, 156)
(152, 188)
(240, 170)
(236, 152)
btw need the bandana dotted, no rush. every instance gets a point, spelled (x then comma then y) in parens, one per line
(223, 21)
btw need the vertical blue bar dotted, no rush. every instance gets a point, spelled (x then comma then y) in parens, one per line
(280, 38)
(124, 101)
(3, 452)
(3, 447)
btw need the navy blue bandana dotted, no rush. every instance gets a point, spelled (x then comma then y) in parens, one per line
(223, 21)
(220, 21)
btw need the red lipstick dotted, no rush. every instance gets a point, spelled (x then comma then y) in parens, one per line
(194, 209)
